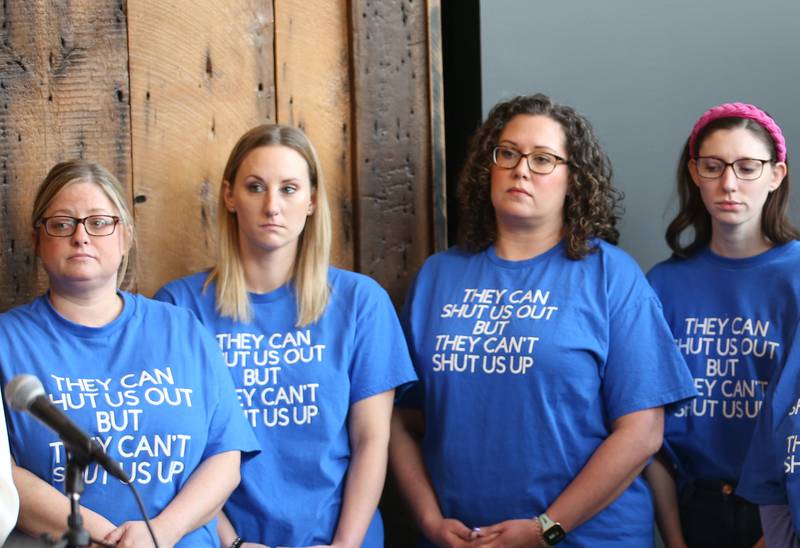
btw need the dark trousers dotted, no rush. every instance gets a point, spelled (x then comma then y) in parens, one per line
(713, 517)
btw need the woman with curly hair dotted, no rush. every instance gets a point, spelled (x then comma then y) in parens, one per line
(734, 251)
(543, 356)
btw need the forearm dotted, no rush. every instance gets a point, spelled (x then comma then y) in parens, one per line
(225, 531)
(408, 467)
(665, 500)
(362, 491)
(43, 509)
(610, 470)
(202, 497)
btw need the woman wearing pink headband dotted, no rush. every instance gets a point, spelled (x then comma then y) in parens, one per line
(731, 295)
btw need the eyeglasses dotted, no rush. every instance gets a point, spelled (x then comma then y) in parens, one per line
(542, 163)
(746, 169)
(63, 226)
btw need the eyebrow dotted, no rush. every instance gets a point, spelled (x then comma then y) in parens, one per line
(66, 212)
(535, 147)
(261, 179)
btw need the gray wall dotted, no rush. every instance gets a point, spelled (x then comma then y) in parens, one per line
(643, 72)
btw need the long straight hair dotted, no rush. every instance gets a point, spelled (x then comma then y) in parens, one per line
(692, 213)
(310, 271)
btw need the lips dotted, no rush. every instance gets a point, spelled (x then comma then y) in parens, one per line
(728, 205)
(518, 191)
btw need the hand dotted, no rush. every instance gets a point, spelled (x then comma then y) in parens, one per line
(760, 543)
(134, 534)
(511, 534)
(253, 545)
(451, 533)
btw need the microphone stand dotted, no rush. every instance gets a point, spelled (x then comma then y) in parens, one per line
(77, 461)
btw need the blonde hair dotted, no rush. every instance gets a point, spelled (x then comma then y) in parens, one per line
(310, 272)
(83, 171)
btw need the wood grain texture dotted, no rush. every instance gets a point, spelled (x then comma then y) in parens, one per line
(63, 94)
(312, 84)
(201, 73)
(391, 151)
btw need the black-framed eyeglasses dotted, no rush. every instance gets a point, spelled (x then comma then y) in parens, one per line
(64, 226)
(542, 163)
(746, 169)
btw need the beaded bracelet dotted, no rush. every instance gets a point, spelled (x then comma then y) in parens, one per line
(237, 542)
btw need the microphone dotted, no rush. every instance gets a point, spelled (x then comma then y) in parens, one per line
(26, 393)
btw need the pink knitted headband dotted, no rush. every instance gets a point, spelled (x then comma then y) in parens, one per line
(740, 110)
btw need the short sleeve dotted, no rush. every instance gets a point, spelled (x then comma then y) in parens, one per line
(644, 368)
(761, 481)
(228, 429)
(380, 355)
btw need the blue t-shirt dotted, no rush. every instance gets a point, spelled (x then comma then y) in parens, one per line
(149, 386)
(731, 319)
(296, 385)
(524, 366)
(771, 470)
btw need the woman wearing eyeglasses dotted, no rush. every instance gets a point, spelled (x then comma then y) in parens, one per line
(315, 352)
(142, 377)
(731, 295)
(543, 356)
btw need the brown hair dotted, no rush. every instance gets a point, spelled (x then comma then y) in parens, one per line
(591, 207)
(692, 213)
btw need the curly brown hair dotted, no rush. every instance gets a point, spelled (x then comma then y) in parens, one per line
(694, 219)
(591, 207)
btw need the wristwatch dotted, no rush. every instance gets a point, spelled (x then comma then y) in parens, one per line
(552, 531)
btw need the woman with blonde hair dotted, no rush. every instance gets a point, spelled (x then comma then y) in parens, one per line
(143, 378)
(315, 352)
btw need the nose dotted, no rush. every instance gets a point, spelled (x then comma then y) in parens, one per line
(728, 179)
(522, 170)
(271, 202)
(80, 236)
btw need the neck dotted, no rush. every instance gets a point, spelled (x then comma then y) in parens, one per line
(266, 271)
(516, 243)
(736, 243)
(93, 308)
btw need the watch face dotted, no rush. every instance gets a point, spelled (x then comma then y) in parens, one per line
(554, 534)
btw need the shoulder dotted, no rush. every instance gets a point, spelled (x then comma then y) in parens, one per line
(156, 314)
(443, 263)
(354, 287)
(625, 283)
(191, 283)
(667, 269)
(788, 253)
(22, 314)
(615, 263)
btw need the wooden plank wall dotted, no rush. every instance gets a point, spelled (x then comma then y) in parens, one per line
(63, 94)
(159, 92)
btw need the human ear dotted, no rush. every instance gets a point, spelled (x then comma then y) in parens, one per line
(779, 171)
(227, 196)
